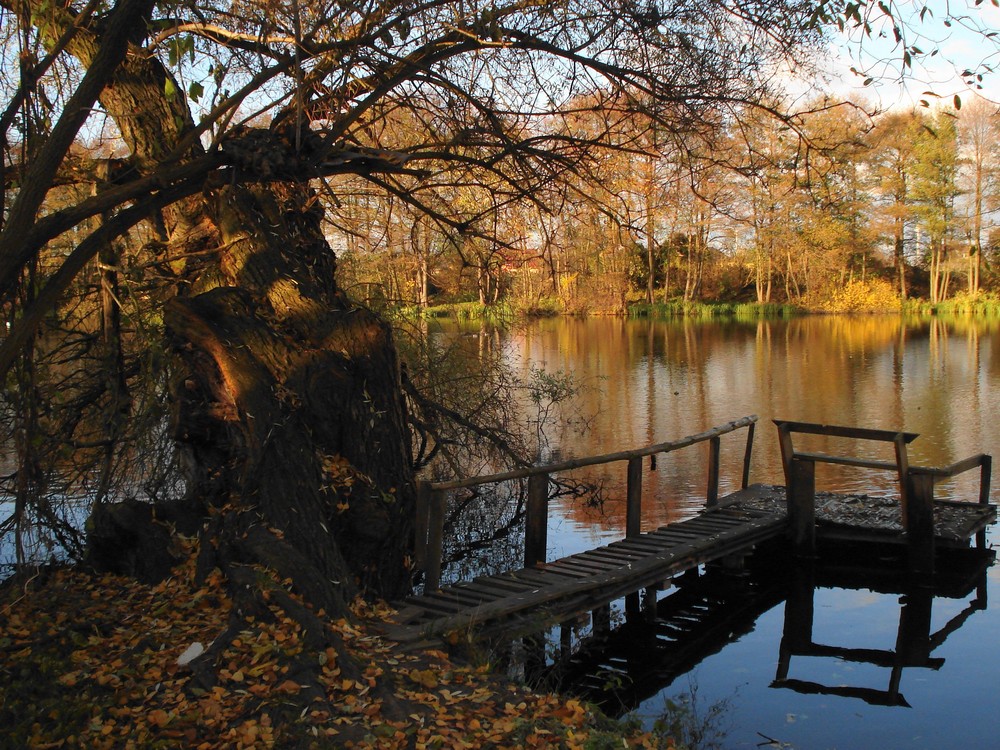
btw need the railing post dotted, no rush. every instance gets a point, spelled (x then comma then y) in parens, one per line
(985, 472)
(633, 502)
(903, 469)
(746, 456)
(435, 536)
(420, 524)
(536, 522)
(712, 494)
(918, 521)
(801, 497)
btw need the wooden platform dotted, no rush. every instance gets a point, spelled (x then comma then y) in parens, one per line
(862, 517)
(526, 600)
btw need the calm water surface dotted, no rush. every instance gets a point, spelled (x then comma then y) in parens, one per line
(651, 381)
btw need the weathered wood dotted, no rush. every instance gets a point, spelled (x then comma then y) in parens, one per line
(578, 463)
(633, 499)
(802, 506)
(435, 540)
(537, 520)
(420, 524)
(864, 463)
(959, 467)
(859, 433)
(986, 470)
(902, 466)
(918, 520)
(747, 455)
(712, 493)
(787, 449)
(579, 587)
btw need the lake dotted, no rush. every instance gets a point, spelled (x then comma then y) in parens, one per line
(788, 658)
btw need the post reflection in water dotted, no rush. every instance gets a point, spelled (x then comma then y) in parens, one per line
(915, 641)
(658, 641)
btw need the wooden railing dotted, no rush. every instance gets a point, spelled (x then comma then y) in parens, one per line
(916, 485)
(432, 496)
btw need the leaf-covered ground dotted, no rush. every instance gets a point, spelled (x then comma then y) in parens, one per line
(96, 662)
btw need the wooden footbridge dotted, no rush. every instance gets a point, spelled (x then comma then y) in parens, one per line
(543, 593)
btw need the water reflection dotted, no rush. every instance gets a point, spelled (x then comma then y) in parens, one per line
(659, 380)
(662, 637)
(915, 639)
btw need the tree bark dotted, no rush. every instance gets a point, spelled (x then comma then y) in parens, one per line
(288, 408)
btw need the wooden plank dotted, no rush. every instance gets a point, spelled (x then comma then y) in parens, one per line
(621, 555)
(959, 467)
(859, 433)
(709, 522)
(542, 574)
(647, 544)
(486, 591)
(558, 566)
(864, 463)
(589, 566)
(426, 603)
(674, 531)
(507, 584)
(601, 561)
(450, 596)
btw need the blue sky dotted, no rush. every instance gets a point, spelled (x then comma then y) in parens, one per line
(958, 42)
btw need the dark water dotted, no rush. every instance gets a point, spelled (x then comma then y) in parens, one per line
(824, 658)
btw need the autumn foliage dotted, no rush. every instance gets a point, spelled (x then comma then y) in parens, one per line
(93, 661)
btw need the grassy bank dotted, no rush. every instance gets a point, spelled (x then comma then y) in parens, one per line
(710, 310)
(983, 306)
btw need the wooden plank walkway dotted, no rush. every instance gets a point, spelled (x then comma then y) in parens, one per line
(523, 600)
(546, 593)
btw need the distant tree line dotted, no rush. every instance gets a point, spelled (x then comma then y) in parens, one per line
(891, 205)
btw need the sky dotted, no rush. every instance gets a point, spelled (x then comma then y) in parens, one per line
(952, 36)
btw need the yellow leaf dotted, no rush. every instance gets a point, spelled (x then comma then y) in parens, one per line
(424, 677)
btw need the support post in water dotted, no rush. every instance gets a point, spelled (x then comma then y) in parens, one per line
(536, 522)
(633, 507)
(801, 495)
(918, 521)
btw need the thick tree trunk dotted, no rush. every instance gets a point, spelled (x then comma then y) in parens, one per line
(288, 400)
(288, 407)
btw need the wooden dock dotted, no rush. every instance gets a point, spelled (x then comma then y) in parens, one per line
(521, 601)
(543, 593)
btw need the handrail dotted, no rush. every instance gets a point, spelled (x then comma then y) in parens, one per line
(604, 458)
(429, 527)
(953, 470)
(916, 484)
(858, 433)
